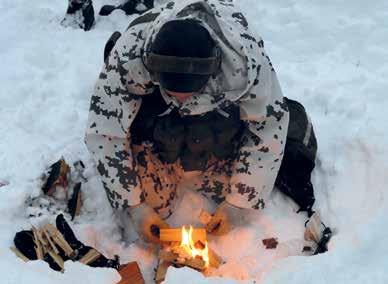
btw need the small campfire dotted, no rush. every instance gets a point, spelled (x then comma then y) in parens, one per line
(185, 247)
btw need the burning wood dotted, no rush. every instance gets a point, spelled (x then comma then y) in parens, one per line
(185, 247)
(175, 235)
(172, 257)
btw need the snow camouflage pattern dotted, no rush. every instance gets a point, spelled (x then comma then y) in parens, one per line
(133, 174)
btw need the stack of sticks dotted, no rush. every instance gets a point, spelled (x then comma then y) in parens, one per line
(49, 240)
(172, 253)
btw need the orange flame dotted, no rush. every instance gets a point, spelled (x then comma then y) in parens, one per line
(188, 245)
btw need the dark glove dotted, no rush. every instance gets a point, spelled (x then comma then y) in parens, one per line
(147, 222)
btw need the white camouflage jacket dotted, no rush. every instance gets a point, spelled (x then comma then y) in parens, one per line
(132, 175)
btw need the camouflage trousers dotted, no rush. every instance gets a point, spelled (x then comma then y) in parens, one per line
(161, 183)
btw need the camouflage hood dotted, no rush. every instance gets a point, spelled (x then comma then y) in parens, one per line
(247, 79)
(238, 47)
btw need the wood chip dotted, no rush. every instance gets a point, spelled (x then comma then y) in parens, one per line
(270, 243)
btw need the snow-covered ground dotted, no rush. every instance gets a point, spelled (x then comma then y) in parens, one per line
(331, 55)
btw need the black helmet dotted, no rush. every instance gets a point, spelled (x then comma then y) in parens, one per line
(183, 55)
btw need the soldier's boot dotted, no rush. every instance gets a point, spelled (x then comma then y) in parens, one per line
(79, 14)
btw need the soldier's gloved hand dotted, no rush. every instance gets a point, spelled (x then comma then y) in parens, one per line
(147, 222)
(220, 223)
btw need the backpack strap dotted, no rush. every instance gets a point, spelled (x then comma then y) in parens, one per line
(146, 18)
(110, 44)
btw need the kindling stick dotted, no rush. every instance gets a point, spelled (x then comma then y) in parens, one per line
(175, 235)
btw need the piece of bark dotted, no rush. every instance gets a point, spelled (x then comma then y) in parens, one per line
(19, 254)
(130, 274)
(91, 256)
(270, 243)
(75, 202)
(175, 235)
(57, 176)
(195, 263)
(161, 271)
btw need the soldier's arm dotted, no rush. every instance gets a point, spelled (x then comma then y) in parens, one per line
(265, 115)
(112, 110)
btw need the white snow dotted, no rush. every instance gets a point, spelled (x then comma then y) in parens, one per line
(331, 55)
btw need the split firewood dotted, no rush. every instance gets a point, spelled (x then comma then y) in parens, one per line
(195, 263)
(91, 256)
(181, 252)
(175, 235)
(38, 245)
(50, 242)
(161, 271)
(130, 274)
(19, 254)
(204, 217)
(58, 238)
(41, 238)
(58, 260)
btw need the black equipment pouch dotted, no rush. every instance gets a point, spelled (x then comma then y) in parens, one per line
(299, 158)
(199, 142)
(226, 132)
(169, 137)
